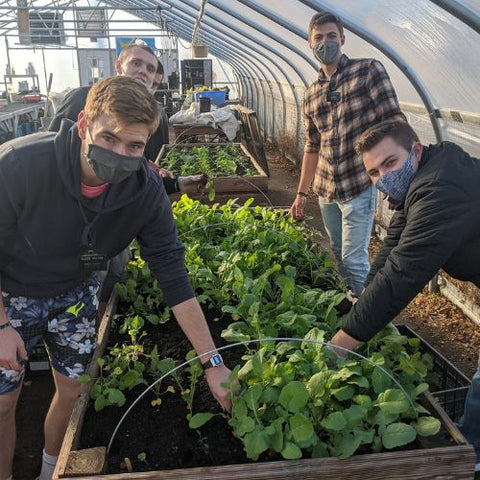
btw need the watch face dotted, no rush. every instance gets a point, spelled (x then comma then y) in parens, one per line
(216, 360)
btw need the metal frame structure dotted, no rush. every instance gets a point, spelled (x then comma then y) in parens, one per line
(251, 56)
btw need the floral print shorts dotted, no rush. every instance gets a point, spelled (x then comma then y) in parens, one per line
(67, 325)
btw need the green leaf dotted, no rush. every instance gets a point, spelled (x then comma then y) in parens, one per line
(270, 395)
(129, 380)
(380, 381)
(252, 395)
(301, 427)
(362, 382)
(398, 434)
(100, 403)
(245, 425)
(335, 421)
(427, 426)
(384, 418)
(115, 397)
(393, 401)
(275, 432)
(343, 393)
(316, 384)
(256, 442)
(83, 379)
(199, 419)
(347, 445)
(291, 451)
(419, 389)
(293, 396)
(354, 415)
(363, 400)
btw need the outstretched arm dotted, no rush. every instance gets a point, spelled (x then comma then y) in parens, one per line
(190, 317)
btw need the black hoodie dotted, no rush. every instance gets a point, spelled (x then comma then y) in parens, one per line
(41, 219)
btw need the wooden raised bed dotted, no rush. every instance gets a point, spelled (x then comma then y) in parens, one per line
(227, 187)
(453, 462)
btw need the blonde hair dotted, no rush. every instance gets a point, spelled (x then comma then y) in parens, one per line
(125, 99)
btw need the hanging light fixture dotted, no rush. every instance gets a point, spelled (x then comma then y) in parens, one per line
(199, 50)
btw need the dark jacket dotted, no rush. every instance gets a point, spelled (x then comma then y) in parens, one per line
(41, 221)
(74, 103)
(438, 227)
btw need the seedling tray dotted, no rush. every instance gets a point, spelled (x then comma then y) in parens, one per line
(231, 185)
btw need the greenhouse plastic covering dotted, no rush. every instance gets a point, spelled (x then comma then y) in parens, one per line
(430, 48)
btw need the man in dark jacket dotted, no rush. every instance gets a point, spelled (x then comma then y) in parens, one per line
(137, 61)
(436, 226)
(69, 202)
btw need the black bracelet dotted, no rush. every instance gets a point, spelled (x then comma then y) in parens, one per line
(302, 194)
(5, 325)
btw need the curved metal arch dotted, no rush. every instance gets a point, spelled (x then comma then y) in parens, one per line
(464, 14)
(248, 53)
(433, 112)
(186, 29)
(266, 47)
(217, 40)
(261, 29)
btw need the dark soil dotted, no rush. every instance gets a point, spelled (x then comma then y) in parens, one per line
(162, 432)
(432, 316)
(161, 435)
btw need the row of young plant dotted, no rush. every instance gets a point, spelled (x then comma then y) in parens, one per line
(268, 277)
(214, 161)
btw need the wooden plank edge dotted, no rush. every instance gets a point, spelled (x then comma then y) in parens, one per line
(446, 463)
(89, 461)
(447, 422)
(456, 296)
(74, 428)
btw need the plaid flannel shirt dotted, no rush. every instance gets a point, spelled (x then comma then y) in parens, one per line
(337, 111)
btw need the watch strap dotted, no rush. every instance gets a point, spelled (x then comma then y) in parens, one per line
(214, 361)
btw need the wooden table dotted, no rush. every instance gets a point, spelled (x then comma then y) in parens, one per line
(10, 115)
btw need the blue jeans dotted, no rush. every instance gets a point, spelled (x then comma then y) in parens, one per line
(349, 226)
(469, 424)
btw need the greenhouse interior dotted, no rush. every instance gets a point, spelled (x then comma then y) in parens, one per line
(239, 239)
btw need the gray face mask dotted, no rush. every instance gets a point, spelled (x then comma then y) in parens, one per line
(111, 167)
(395, 184)
(326, 52)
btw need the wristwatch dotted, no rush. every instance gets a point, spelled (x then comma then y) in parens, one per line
(215, 361)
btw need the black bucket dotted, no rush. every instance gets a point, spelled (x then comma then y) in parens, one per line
(205, 104)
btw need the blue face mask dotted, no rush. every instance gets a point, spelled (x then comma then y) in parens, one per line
(395, 183)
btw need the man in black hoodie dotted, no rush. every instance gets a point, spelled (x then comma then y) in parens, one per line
(436, 225)
(136, 61)
(69, 202)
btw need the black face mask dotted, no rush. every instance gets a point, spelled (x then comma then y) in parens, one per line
(111, 167)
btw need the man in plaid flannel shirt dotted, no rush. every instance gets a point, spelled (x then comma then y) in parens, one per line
(349, 96)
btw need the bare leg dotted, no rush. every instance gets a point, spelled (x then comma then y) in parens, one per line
(8, 403)
(67, 390)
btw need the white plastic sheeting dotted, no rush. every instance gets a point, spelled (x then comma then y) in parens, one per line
(430, 48)
(430, 54)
